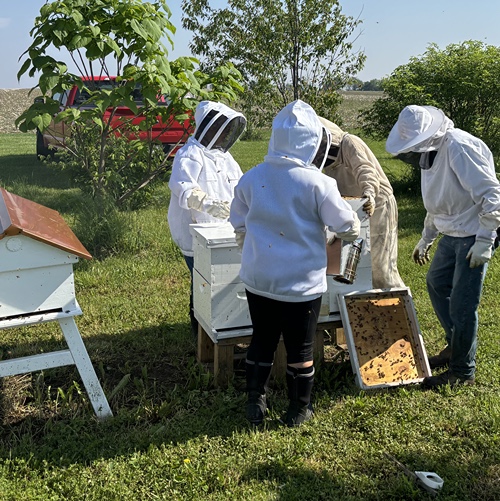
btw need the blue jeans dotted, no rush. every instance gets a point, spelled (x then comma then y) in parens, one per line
(194, 323)
(455, 291)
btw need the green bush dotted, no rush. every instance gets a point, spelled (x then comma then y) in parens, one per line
(463, 80)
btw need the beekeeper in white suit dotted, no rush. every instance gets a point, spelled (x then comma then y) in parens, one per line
(461, 194)
(358, 174)
(279, 213)
(203, 177)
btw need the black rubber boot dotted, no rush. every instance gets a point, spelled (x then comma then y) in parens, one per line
(300, 383)
(257, 374)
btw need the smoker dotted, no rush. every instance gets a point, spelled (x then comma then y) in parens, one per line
(37, 254)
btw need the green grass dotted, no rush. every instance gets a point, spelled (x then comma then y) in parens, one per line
(176, 437)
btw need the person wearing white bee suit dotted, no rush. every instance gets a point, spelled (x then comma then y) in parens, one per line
(203, 178)
(358, 174)
(461, 194)
(280, 213)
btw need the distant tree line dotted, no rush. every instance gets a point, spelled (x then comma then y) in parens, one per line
(371, 85)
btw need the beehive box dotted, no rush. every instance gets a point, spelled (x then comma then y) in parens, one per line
(37, 253)
(219, 297)
(383, 337)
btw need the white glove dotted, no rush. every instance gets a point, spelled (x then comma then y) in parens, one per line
(240, 238)
(219, 209)
(421, 252)
(369, 205)
(351, 234)
(200, 201)
(196, 199)
(331, 239)
(479, 253)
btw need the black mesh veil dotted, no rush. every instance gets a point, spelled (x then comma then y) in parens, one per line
(217, 132)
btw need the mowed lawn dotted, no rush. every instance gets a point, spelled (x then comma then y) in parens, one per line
(175, 436)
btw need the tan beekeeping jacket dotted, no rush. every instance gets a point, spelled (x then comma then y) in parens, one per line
(358, 172)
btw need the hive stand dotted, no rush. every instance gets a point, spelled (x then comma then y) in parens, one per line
(76, 354)
(222, 353)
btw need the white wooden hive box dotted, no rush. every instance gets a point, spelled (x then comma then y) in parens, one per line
(37, 253)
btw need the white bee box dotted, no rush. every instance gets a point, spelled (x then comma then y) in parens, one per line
(216, 255)
(35, 278)
(219, 295)
(221, 306)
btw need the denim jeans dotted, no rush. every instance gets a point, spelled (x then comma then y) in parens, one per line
(455, 291)
(194, 323)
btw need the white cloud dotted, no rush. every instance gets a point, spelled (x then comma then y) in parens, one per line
(4, 22)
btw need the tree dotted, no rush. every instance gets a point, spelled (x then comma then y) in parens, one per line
(285, 50)
(463, 80)
(122, 39)
(372, 85)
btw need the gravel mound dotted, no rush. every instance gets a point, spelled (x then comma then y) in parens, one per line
(12, 103)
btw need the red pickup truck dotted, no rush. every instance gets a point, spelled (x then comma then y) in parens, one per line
(55, 136)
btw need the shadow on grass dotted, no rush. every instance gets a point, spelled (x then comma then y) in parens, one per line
(16, 168)
(160, 395)
(375, 476)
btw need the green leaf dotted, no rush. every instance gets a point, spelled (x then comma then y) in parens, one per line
(138, 29)
(24, 68)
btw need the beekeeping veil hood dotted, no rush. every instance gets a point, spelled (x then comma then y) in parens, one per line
(218, 127)
(337, 135)
(419, 129)
(298, 136)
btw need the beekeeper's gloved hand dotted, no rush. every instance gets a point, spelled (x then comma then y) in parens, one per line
(353, 233)
(219, 209)
(369, 205)
(421, 252)
(240, 238)
(200, 201)
(332, 238)
(479, 253)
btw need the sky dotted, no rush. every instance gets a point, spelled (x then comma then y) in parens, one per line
(392, 31)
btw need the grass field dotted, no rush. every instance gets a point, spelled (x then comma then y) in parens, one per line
(174, 436)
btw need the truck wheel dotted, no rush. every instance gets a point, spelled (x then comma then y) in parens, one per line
(41, 149)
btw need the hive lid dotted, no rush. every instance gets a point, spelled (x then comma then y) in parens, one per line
(21, 216)
(214, 234)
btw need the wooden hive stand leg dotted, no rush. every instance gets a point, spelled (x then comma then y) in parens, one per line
(340, 339)
(205, 351)
(319, 345)
(85, 368)
(223, 362)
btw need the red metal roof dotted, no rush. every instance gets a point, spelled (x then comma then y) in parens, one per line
(21, 216)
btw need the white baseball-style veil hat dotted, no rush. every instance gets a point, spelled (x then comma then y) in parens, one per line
(415, 125)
